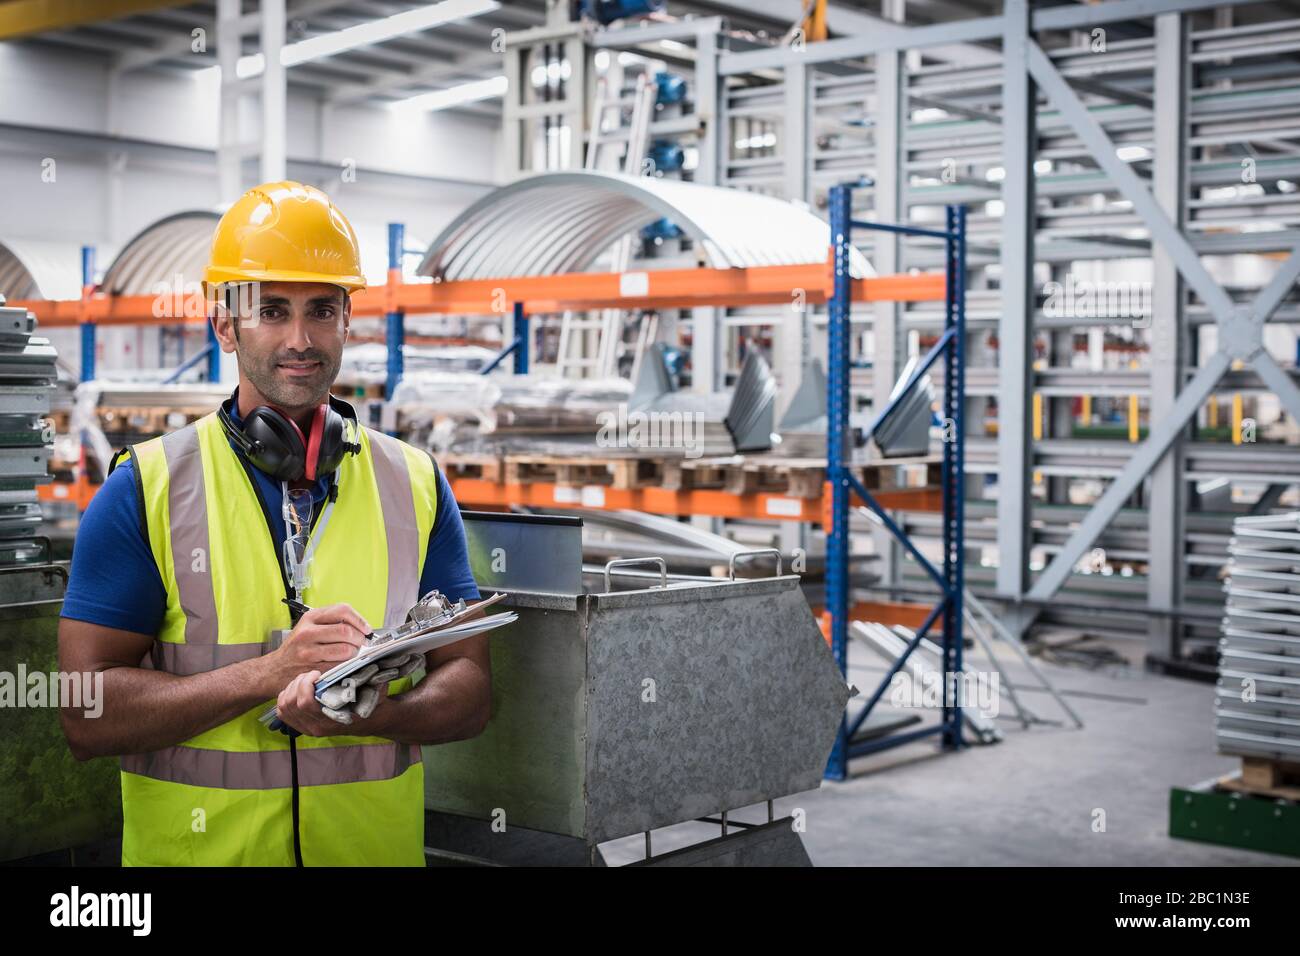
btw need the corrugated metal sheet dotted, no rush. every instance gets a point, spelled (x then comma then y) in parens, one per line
(562, 222)
(175, 245)
(179, 244)
(40, 269)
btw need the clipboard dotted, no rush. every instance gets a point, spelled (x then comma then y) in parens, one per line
(412, 636)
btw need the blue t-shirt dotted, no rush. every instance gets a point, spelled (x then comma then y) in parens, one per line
(114, 582)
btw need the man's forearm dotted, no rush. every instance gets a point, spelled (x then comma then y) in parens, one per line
(147, 710)
(451, 703)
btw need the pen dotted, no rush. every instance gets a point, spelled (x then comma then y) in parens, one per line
(300, 609)
(296, 606)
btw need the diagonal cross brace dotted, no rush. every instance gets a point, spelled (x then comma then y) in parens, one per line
(1146, 456)
(1127, 182)
(1240, 326)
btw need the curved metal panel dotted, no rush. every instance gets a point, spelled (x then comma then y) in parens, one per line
(172, 246)
(564, 221)
(40, 269)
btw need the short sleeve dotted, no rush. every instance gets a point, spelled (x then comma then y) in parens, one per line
(446, 565)
(113, 581)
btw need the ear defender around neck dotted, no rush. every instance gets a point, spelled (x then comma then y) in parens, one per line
(274, 444)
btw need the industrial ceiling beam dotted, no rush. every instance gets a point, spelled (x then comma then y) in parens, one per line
(87, 38)
(24, 18)
(181, 44)
(934, 36)
(428, 75)
(846, 22)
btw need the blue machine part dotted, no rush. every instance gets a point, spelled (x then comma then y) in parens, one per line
(675, 359)
(667, 156)
(672, 88)
(607, 11)
(662, 228)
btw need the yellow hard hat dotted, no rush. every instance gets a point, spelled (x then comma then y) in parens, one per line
(285, 232)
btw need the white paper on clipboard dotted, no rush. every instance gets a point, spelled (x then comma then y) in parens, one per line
(438, 634)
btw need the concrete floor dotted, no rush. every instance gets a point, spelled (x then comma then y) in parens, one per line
(1029, 800)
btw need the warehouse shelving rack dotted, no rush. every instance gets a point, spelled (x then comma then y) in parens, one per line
(845, 486)
(1201, 97)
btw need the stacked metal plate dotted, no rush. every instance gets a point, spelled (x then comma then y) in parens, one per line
(1257, 711)
(27, 381)
(802, 431)
(906, 430)
(753, 405)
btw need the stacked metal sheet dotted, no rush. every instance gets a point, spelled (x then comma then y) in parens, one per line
(906, 430)
(27, 381)
(368, 364)
(721, 425)
(470, 413)
(802, 431)
(1257, 710)
(753, 405)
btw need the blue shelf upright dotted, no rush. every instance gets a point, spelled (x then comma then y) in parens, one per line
(845, 484)
(395, 321)
(87, 328)
(520, 347)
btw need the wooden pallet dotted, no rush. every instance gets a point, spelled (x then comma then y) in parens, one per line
(624, 472)
(480, 467)
(149, 420)
(742, 475)
(802, 478)
(899, 473)
(1265, 777)
(793, 477)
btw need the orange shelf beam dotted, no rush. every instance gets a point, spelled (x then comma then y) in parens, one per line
(903, 613)
(662, 289)
(478, 493)
(491, 495)
(902, 499)
(79, 492)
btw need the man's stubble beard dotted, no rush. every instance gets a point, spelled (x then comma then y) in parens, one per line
(286, 395)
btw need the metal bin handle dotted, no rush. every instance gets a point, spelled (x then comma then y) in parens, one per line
(731, 565)
(625, 562)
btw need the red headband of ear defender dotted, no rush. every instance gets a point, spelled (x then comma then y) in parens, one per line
(313, 443)
(274, 443)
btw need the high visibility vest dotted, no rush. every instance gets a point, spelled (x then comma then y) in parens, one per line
(223, 798)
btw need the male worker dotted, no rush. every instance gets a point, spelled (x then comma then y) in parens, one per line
(181, 572)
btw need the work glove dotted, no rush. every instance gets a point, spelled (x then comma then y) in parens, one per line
(357, 695)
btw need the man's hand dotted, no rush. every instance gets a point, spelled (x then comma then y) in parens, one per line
(297, 706)
(322, 638)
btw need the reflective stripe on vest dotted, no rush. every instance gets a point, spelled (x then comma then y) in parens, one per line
(268, 769)
(221, 572)
(404, 553)
(187, 504)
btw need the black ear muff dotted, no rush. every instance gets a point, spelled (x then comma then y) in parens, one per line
(275, 444)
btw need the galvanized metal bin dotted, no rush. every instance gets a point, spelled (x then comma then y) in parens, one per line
(621, 711)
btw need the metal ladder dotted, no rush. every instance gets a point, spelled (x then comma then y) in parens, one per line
(603, 150)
